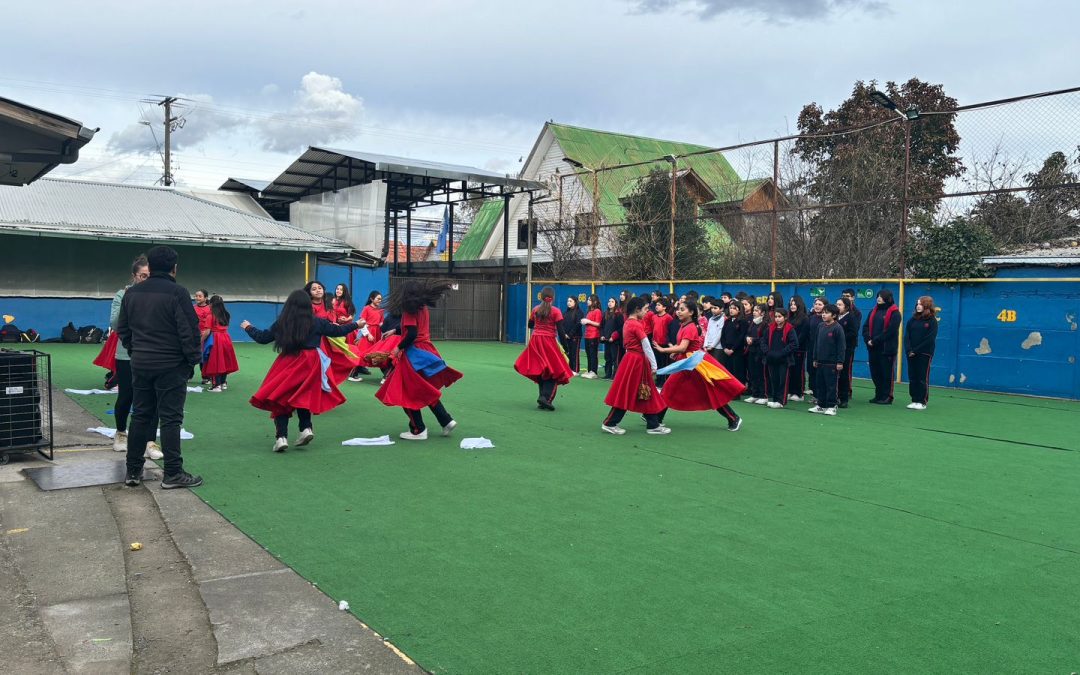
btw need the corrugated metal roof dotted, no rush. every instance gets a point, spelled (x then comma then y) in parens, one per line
(110, 211)
(1068, 254)
(244, 184)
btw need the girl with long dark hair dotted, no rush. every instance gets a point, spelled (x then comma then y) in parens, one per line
(634, 387)
(343, 356)
(542, 361)
(611, 337)
(850, 324)
(298, 380)
(202, 311)
(733, 342)
(920, 339)
(813, 323)
(372, 318)
(592, 322)
(220, 360)
(570, 333)
(708, 385)
(881, 334)
(799, 321)
(419, 372)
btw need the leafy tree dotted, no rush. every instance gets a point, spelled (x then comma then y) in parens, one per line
(951, 250)
(864, 171)
(642, 247)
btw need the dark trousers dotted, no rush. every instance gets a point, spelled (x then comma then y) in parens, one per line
(662, 359)
(735, 364)
(828, 383)
(776, 387)
(281, 423)
(219, 380)
(416, 420)
(728, 414)
(882, 370)
(548, 389)
(652, 420)
(159, 395)
(918, 372)
(612, 354)
(845, 377)
(755, 376)
(592, 353)
(797, 375)
(124, 395)
(572, 347)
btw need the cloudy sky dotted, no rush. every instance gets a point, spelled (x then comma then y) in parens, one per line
(472, 81)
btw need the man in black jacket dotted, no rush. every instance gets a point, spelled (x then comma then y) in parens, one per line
(159, 329)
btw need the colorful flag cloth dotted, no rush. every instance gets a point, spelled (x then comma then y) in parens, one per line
(689, 363)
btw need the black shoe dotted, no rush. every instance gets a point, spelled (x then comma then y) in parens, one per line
(843, 404)
(363, 371)
(887, 401)
(736, 425)
(544, 405)
(134, 478)
(875, 401)
(180, 480)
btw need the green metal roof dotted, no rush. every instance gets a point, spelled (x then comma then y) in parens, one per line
(483, 225)
(739, 191)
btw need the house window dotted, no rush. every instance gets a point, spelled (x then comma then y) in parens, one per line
(586, 233)
(523, 234)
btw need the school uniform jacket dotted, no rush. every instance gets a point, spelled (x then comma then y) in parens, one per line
(921, 335)
(883, 328)
(830, 345)
(780, 345)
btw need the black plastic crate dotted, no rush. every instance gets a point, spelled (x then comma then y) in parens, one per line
(26, 420)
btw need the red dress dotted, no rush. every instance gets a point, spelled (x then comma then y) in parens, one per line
(634, 369)
(343, 358)
(222, 359)
(593, 332)
(341, 312)
(374, 318)
(206, 320)
(294, 381)
(543, 359)
(405, 387)
(689, 389)
(106, 358)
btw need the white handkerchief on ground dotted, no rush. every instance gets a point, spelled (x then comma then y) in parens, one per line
(381, 440)
(195, 390)
(88, 392)
(476, 443)
(109, 432)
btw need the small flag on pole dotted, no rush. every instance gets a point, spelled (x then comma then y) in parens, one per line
(444, 231)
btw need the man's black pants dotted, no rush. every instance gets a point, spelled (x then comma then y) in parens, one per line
(159, 396)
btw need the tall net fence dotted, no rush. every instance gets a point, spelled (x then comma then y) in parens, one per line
(888, 196)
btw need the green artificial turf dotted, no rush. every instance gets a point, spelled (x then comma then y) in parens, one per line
(882, 539)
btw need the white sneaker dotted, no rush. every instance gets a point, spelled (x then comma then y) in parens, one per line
(382, 381)
(761, 401)
(153, 451)
(306, 435)
(775, 404)
(355, 378)
(658, 431)
(410, 436)
(830, 411)
(816, 409)
(749, 399)
(224, 386)
(917, 406)
(808, 392)
(616, 429)
(119, 442)
(795, 398)
(280, 444)
(449, 428)
(215, 390)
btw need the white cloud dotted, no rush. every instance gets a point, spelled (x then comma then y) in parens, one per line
(321, 113)
(773, 10)
(197, 120)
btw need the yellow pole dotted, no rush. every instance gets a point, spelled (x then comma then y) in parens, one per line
(592, 287)
(671, 288)
(900, 336)
(307, 268)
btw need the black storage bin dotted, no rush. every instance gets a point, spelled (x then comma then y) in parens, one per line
(25, 403)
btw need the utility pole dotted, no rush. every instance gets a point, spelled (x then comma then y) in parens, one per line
(169, 121)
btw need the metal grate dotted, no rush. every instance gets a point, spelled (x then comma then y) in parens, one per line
(26, 421)
(470, 311)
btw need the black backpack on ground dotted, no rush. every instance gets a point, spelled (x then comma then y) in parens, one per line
(9, 332)
(90, 334)
(69, 334)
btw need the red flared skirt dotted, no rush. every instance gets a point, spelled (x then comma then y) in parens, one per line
(295, 381)
(341, 363)
(106, 358)
(688, 390)
(633, 370)
(543, 359)
(222, 359)
(406, 388)
(365, 346)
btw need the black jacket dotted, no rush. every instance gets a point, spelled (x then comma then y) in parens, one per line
(921, 336)
(830, 343)
(157, 324)
(883, 328)
(733, 335)
(809, 341)
(778, 347)
(850, 323)
(570, 328)
(611, 327)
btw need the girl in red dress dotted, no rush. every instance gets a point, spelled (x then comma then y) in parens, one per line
(222, 358)
(593, 318)
(202, 311)
(635, 378)
(372, 316)
(343, 357)
(419, 371)
(709, 386)
(298, 379)
(543, 361)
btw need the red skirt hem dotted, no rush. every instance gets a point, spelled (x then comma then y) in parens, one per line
(222, 359)
(688, 391)
(406, 388)
(295, 381)
(623, 394)
(543, 359)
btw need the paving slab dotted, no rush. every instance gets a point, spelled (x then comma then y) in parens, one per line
(92, 635)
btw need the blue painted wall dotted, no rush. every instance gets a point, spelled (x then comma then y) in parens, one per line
(1034, 354)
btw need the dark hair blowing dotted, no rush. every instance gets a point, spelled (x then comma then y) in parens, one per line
(413, 294)
(294, 323)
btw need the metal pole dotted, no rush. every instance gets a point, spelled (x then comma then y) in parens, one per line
(671, 243)
(904, 215)
(169, 119)
(395, 242)
(776, 189)
(505, 267)
(528, 263)
(450, 243)
(408, 241)
(595, 233)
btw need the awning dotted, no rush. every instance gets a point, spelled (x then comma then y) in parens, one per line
(33, 142)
